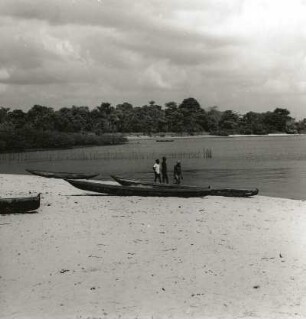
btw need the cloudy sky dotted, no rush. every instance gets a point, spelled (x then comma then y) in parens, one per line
(237, 54)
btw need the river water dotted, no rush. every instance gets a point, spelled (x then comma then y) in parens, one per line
(274, 164)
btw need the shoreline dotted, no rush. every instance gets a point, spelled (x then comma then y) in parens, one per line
(112, 182)
(92, 256)
(146, 137)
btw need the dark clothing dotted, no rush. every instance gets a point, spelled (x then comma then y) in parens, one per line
(164, 172)
(165, 178)
(177, 169)
(164, 167)
(177, 173)
(157, 177)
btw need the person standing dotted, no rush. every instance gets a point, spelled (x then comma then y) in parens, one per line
(156, 169)
(177, 173)
(164, 171)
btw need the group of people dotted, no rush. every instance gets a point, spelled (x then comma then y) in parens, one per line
(161, 172)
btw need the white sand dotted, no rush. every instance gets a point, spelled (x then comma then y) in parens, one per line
(133, 257)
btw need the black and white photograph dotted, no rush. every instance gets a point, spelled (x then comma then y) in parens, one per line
(152, 159)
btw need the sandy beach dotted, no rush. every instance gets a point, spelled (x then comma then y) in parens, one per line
(98, 256)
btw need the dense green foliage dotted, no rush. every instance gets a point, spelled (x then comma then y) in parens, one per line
(43, 127)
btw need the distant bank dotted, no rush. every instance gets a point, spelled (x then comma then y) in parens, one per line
(170, 137)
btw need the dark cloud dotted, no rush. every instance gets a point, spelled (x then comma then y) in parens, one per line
(230, 53)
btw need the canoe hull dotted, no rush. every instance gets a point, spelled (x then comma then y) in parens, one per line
(231, 192)
(133, 182)
(226, 192)
(19, 205)
(61, 175)
(148, 191)
(145, 191)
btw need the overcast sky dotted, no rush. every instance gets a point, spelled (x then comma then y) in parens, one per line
(237, 54)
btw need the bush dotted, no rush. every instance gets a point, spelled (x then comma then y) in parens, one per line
(29, 138)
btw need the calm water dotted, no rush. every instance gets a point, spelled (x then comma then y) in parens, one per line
(275, 165)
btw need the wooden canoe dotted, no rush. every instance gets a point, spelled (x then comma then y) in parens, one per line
(233, 192)
(61, 175)
(149, 191)
(134, 182)
(228, 192)
(146, 191)
(19, 204)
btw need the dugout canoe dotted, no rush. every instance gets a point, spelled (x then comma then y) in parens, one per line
(61, 175)
(228, 192)
(134, 182)
(233, 192)
(148, 191)
(19, 204)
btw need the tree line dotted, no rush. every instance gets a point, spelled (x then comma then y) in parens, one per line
(45, 127)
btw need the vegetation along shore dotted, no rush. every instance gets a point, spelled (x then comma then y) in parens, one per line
(44, 127)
